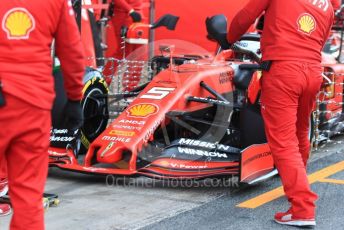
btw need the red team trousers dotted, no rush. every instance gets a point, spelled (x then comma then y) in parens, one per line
(289, 91)
(24, 135)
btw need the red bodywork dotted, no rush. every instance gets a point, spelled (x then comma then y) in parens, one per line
(117, 150)
(334, 71)
(256, 161)
(254, 87)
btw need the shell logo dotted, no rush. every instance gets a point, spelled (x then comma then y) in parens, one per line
(306, 23)
(18, 23)
(142, 110)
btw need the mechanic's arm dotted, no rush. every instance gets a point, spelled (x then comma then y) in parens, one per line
(336, 4)
(70, 53)
(245, 18)
(123, 4)
(128, 8)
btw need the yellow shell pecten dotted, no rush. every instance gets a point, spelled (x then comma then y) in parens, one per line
(306, 23)
(142, 110)
(18, 23)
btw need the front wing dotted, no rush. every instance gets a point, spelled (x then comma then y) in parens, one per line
(249, 165)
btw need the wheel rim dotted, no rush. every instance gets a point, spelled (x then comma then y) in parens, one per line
(94, 113)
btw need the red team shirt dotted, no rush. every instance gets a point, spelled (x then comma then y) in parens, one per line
(26, 35)
(297, 34)
(336, 4)
(127, 5)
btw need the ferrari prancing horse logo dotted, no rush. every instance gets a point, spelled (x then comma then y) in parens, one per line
(18, 23)
(306, 23)
(321, 4)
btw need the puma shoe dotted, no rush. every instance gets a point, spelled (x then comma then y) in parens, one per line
(5, 209)
(287, 218)
(3, 187)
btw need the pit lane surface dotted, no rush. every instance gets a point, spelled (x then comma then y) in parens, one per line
(94, 202)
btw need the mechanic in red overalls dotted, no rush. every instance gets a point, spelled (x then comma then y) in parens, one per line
(293, 36)
(27, 93)
(336, 4)
(5, 209)
(125, 13)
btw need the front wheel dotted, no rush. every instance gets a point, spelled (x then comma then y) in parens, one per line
(95, 108)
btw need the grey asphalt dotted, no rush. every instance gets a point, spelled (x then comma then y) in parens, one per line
(104, 203)
(222, 213)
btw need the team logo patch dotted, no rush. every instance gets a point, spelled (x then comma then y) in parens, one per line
(111, 144)
(321, 4)
(306, 23)
(142, 110)
(122, 133)
(18, 23)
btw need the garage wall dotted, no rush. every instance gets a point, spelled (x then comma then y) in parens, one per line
(192, 13)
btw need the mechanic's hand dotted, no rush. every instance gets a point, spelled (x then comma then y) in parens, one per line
(135, 16)
(73, 116)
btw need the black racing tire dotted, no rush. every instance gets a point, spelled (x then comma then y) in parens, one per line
(94, 85)
(95, 107)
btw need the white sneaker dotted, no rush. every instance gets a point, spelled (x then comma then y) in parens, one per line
(286, 218)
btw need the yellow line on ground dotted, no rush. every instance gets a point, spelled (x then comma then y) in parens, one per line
(278, 192)
(333, 181)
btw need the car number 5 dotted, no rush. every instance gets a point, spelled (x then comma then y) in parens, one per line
(157, 93)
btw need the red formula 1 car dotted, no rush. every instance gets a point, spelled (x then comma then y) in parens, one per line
(198, 117)
(192, 120)
(329, 114)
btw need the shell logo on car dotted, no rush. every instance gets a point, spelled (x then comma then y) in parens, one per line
(306, 23)
(18, 23)
(142, 110)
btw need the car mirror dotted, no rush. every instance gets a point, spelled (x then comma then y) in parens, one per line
(217, 29)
